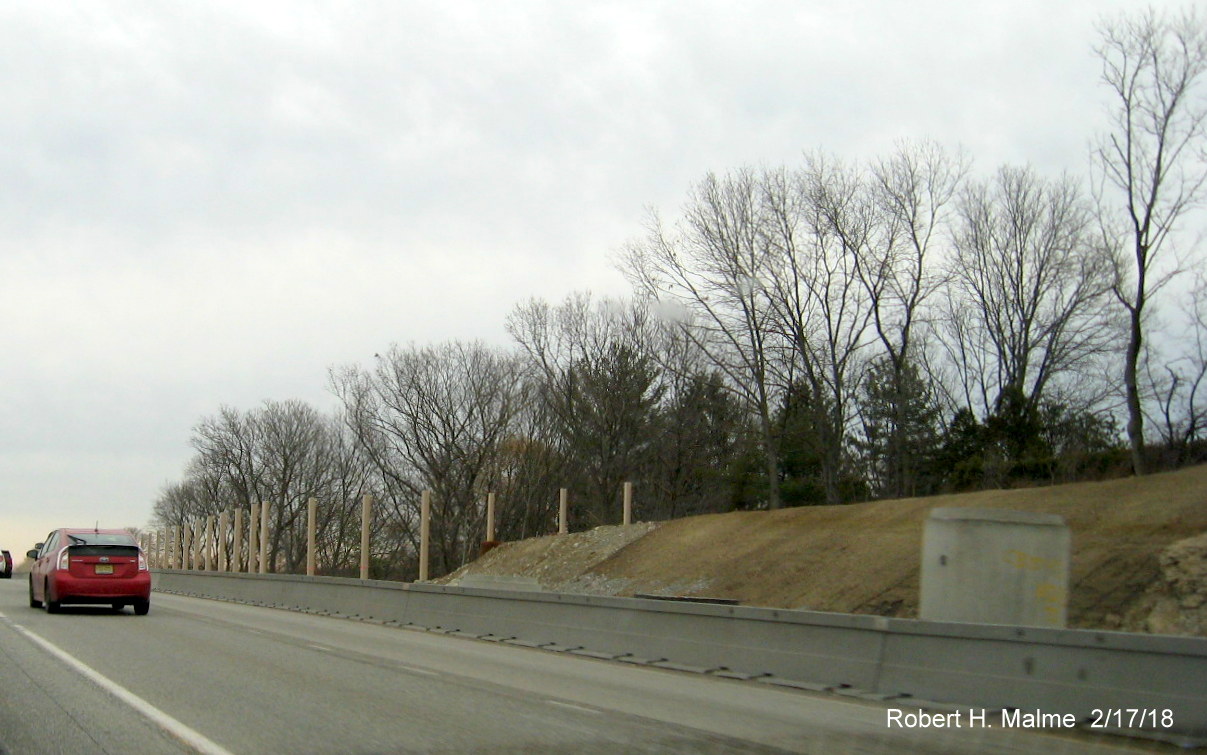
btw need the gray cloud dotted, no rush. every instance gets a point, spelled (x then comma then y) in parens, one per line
(211, 203)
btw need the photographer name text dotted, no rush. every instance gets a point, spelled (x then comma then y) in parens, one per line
(1100, 718)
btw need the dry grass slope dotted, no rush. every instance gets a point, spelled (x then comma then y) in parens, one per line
(1137, 561)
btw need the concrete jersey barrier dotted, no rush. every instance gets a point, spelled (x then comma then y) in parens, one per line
(1061, 671)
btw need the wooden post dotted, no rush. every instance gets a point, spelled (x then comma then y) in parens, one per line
(562, 512)
(366, 516)
(264, 508)
(223, 521)
(209, 543)
(237, 542)
(425, 521)
(177, 547)
(490, 517)
(253, 539)
(628, 504)
(311, 516)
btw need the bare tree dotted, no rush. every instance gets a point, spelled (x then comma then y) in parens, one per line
(1029, 288)
(1177, 387)
(913, 188)
(716, 263)
(821, 222)
(294, 454)
(596, 373)
(1152, 161)
(226, 449)
(352, 476)
(434, 417)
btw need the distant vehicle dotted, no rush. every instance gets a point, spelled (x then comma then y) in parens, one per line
(6, 565)
(89, 567)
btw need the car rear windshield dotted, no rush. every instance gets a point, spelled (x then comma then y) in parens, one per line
(96, 543)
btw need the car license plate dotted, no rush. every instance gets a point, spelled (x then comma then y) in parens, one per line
(104, 568)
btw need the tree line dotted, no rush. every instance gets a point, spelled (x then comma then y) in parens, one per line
(823, 333)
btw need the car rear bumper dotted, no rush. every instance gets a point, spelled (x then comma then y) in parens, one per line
(68, 589)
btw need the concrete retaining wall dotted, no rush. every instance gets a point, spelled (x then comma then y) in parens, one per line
(991, 666)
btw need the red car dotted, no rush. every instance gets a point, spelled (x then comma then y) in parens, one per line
(89, 566)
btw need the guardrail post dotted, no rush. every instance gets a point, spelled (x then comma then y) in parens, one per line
(264, 509)
(425, 521)
(562, 512)
(253, 539)
(490, 516)
(366, 516)
(237, 541)
(311, 510)
(186, 554)
(628, 504)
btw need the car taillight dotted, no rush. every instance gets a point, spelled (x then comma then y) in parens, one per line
(64, 558)
(142, 562)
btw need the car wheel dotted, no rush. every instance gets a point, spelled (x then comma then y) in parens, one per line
(33, 602)
(52, 606)
(142, 607)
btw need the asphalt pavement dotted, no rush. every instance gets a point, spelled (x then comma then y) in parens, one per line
(198, 675)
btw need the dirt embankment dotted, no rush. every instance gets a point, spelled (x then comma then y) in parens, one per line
(1139, 554)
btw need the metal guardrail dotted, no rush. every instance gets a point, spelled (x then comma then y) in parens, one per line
(995, 667)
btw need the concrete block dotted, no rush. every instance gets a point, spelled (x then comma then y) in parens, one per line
(995, 567)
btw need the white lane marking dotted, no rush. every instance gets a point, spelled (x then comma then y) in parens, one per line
(416, 670)
(572, 706)
(188, 736)
(320, 647)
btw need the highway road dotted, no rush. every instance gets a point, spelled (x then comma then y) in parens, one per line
(207, 676)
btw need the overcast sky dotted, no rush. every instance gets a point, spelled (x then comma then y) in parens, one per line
(209, 204)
